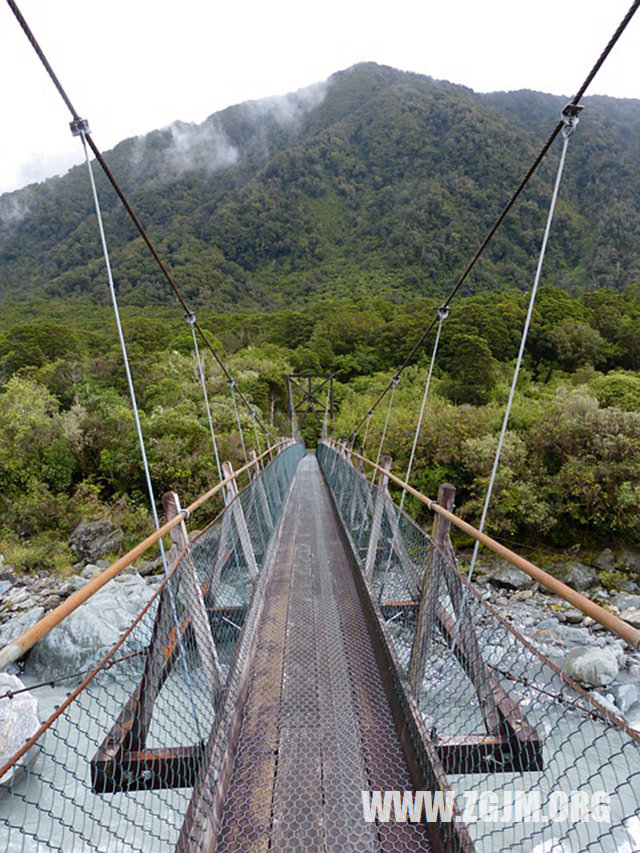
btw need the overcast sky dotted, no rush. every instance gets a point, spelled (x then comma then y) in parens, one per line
(130, 66)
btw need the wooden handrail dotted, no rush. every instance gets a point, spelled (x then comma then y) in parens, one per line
(608, 620)
(18, 647)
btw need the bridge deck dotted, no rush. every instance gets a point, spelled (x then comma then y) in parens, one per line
(317, 728)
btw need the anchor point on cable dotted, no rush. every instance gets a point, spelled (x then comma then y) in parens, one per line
(80, 127)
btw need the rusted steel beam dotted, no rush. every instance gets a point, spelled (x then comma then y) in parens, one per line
(480, 753)
(235, 507)
(129, 731)
(503, 716)
(376, 523)
(429, 587)
(146, 770)
(189, 591)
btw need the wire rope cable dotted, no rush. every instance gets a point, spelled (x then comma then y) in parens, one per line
(366, 431)
(205, 393)
(570, 121)
(325, 417)
(257, 437)
(383, 434)
(570, 125)
(232, 386)
(136, 415)
(443, 313)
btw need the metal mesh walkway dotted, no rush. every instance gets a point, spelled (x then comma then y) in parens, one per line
(316, 727)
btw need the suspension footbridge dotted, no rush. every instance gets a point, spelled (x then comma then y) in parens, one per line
(310, 647)
(314, 671)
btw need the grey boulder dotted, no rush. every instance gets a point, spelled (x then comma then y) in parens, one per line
(625, 695)
(629, 559)
(576, 575)
(94, 539)
(19, 624)
(90, 631)
(508, 577)
(593, 667)
(18, 722)
(606, 560)
(626, 601)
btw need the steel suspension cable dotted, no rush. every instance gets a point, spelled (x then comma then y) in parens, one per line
(232, 386)
(385, 427)
(325, 418)
(570, 120)
(257, 437)
(443, 313)
(512, 200)
(291, 409)
(570, 124)
(78, 121)
(366, 430)
(136, 415)
(205, 394)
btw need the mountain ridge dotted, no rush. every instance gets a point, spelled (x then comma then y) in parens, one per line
(377, 180)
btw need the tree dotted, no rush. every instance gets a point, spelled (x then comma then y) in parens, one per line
(577, 344)
(472, 370)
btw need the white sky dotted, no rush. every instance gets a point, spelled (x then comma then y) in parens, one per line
(130, 66)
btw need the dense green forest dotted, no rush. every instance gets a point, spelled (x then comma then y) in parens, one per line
(569, 475)
(318, 233)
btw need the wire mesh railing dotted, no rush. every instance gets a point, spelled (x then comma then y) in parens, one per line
(538, 763)
(114, 765)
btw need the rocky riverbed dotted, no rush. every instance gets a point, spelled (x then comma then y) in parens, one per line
(590, 654)
(88, 631)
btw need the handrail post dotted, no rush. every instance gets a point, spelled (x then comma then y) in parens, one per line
(349, 449)
(190, 591)
(376, 523)
(255, 465)
(240, 520)
(262, 495)
(441, 525)
(442, 547)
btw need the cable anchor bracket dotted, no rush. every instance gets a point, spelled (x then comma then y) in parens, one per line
(80, 127)
(570, 118)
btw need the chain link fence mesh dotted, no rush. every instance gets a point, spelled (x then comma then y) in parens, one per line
(115, 770)
(511, 729)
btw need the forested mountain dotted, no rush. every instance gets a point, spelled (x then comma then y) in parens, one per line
(317, 232)
(377, 182)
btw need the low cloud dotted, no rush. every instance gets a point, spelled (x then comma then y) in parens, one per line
(203, 146)
(40, 168)
(207, 147)
(292, 107)
(14, 207)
